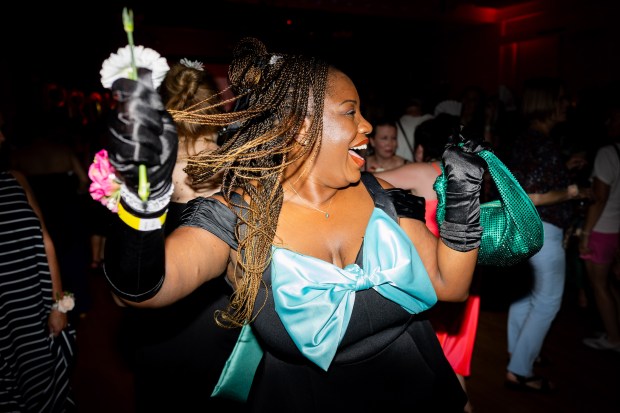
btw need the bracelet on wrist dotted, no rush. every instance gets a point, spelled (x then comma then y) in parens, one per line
(65, 303)
(141, 224)
(150, 206)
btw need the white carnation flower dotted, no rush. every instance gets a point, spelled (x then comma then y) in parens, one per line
(64, 304)
(118, 65)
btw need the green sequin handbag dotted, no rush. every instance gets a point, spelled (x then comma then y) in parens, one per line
(511, 227)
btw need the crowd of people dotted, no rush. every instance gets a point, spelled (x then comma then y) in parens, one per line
(248, 205)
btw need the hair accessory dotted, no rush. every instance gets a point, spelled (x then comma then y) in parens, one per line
(274, 59)
(194, 64)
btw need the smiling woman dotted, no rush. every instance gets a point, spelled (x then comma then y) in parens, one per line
(336, 295)
(383, 140)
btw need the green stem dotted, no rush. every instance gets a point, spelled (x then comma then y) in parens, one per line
(143, 184)
(144, 188)
(134, 69)
(128, 26)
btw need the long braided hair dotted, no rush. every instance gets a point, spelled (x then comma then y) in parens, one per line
(274, 93)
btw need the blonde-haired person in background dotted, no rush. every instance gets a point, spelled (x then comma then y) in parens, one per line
(190, 87)
(179, 351)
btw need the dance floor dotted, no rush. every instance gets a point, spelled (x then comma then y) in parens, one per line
(587, 380)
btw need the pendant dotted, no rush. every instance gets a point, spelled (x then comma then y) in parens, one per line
(326, 215)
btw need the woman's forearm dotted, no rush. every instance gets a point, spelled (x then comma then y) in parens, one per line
(555, 196)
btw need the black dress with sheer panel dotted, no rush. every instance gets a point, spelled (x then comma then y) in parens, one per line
(387, 358)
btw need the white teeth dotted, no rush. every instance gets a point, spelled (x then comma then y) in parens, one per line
(361, 147)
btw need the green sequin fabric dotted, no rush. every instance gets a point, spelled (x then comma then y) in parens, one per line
(511, 228)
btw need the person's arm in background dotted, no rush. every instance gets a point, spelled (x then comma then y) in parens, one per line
(557, 196)
(56, 321)
(79, 171)
(600, 195)
(402, 177)
(417, 177)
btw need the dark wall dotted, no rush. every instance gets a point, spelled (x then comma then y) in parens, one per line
(390, 58)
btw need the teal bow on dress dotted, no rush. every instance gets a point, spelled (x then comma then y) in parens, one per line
(314, 299)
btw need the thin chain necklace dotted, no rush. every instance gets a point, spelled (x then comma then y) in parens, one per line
(326, 213)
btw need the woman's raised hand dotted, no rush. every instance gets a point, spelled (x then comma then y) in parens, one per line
(142, 133)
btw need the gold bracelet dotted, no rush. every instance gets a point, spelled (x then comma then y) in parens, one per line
(141, 224)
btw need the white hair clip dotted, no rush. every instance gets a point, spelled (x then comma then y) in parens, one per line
(274, 59)
(194, 64)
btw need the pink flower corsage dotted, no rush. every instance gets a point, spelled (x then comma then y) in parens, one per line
(105, 186)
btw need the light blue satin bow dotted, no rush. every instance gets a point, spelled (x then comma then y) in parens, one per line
(314, 299)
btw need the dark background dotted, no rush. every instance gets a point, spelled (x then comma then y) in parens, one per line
(391, 48)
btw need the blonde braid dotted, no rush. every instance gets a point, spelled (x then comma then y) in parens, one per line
(279, 91)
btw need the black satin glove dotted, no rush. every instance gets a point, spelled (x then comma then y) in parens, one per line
(134, 263)
(406, 204)
(142, 133)
(464, 171)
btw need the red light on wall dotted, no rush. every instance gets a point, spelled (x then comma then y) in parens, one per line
(476, 14)
(485, 14)
(512, 25)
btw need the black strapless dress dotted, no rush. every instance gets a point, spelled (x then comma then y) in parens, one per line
(387, 359)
